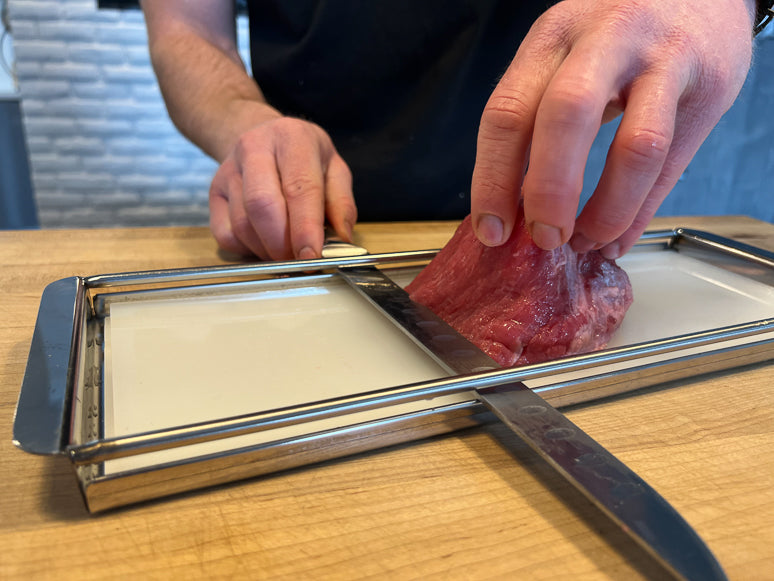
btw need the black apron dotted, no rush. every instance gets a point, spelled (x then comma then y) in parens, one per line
(399, 86)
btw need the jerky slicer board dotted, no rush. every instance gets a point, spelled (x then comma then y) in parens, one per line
(154, 383)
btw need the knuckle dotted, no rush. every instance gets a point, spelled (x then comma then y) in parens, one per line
(713, 91)
(350, 214)
(643, 148)
(603, 229)
(247, 142)
(238, 240)
(338, 166)
(552, 29)
(492, 182)
(224, 177)
(291, 130)
(302, 187)
(263, 137)
(258, 203)
(507, 110)
(240, 226)
(554, 206)
(641, 221)
(609, 225)
(286, 127)
(250, 148)
(555, 188)
(570, 104)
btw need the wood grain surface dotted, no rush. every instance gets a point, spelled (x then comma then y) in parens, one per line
(476, 504)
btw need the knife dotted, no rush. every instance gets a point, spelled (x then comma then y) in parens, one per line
(623, 496)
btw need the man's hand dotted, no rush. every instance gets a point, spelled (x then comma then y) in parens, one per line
(272, 194)
(279, 178)
(673, 67)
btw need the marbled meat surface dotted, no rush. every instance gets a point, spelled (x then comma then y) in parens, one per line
(521, 304)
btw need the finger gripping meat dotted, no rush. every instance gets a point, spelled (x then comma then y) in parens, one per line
(521, 304)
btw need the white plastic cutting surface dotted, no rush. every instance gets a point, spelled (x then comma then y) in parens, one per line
(175, 362)
(191, 360)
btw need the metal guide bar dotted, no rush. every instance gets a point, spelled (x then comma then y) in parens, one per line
(251, 270)
(725, 246)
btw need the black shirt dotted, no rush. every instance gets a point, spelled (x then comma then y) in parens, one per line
(399, 86)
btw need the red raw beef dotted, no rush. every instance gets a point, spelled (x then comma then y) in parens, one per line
(521, 304)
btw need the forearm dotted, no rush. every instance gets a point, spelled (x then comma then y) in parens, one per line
(209, 95)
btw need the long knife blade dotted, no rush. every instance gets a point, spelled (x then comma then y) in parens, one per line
(623, 496)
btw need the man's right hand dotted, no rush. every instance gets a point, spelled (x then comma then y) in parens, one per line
(280, 183)
(280, 178)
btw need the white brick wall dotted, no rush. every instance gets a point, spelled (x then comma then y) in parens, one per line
(103, 151)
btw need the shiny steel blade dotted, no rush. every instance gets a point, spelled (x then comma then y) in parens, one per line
(622, 495)
(625, 497)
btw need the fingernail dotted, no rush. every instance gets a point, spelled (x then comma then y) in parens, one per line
(490, 230)
(612, 251)
(545, 236)
(307, 253)
(580, 243)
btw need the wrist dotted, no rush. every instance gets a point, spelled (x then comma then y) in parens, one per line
(242, 115)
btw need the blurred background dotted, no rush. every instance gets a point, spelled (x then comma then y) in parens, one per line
(85, 140)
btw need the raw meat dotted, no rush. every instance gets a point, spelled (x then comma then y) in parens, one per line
(521, 304)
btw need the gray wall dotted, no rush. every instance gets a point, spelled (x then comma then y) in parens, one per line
(104, 153)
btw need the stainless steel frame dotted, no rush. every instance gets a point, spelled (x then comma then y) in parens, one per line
(59, 408)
